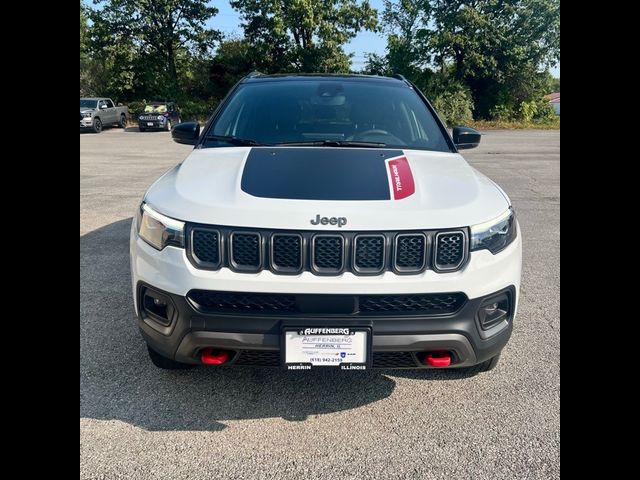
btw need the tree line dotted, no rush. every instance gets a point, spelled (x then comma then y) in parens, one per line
(482, 59)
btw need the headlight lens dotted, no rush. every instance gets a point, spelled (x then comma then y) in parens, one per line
(86, 114)
(158, 230)
(496, 234)
(160, 117)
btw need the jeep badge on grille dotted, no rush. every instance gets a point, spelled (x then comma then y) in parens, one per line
(340, 221)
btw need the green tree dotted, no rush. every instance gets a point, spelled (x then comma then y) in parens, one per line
(84, 50)
(493, 53)
(161, 31)
(499, 49)
(303, 35)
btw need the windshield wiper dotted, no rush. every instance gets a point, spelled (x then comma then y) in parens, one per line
(334, 143)
(233, 140)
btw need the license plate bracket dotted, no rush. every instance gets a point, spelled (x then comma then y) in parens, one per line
(311, 347)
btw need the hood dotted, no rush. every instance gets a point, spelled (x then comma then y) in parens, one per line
(297, 187)
(85, 109)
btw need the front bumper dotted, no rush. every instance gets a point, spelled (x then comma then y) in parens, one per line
(155, 124)
(86, 122)
(255, 338)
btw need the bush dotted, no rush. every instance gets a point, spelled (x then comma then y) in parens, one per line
(197, 111)
(455, 107)
(502, 113)
(136, 107)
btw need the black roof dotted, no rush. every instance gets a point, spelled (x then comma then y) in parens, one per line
(261, 77)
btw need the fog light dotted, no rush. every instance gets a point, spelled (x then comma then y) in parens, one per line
(494, 310)
(157, 307)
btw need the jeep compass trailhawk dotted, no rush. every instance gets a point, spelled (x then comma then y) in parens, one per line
(325, 222)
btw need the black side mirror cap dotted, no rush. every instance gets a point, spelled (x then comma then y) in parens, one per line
(186, 133)
(465, 137)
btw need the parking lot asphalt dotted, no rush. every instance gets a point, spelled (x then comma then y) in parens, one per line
(138, 422)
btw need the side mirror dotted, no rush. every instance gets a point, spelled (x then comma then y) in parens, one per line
(186, 133)
(103, 107)
(465, 137)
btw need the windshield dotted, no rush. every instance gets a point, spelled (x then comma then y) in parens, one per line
(274, 112)
(88, 103)
(155, 109)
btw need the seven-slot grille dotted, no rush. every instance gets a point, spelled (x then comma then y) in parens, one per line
(331, 253)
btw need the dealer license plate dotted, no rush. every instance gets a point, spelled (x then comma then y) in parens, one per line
(149, 124)
(346, 348)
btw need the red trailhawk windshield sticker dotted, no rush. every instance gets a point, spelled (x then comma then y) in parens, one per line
(400, 178)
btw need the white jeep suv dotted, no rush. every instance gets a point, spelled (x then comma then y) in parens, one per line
(325, 221)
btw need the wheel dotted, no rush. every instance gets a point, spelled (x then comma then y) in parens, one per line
(179, 120)
(167, 126)
(165, 363)
(123, 121)
(484, 366)
(97, 125)
(491, 363)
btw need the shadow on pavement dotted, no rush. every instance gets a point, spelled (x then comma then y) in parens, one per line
(118, 381)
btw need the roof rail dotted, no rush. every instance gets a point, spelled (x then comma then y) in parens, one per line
(402, 77)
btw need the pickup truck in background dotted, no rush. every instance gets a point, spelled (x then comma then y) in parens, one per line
(95, 113)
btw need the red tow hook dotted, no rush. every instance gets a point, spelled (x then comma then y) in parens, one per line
(212, 356)
(438, 359)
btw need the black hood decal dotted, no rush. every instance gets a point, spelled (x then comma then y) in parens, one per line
(327, 173)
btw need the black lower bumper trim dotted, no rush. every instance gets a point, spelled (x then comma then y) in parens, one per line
(256, 338)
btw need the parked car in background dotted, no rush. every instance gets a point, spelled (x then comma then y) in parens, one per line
(96, 113)
(159, 116)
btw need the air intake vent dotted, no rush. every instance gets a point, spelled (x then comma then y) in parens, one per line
(370, 253)
(424, 304)
(450, 250)
(286, 253)
(328, 253)
(245, 251)
(220, 302)
(411, 252)
(206, 247)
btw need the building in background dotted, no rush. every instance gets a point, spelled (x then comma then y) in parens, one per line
(554, 100)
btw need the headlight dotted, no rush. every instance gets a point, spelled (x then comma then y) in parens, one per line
(160, 117)
(87, 114)
(158, 230)
(496, 234)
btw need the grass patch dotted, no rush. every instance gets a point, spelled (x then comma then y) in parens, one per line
(553, 124)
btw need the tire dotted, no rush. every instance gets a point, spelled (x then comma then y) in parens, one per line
(123, 121)
(168, 125)
(485, 366)
(97, 125)
(165, 363)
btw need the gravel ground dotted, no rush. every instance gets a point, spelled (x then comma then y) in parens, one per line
(140, 422)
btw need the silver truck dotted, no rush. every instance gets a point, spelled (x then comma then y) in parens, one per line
(96, 113)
